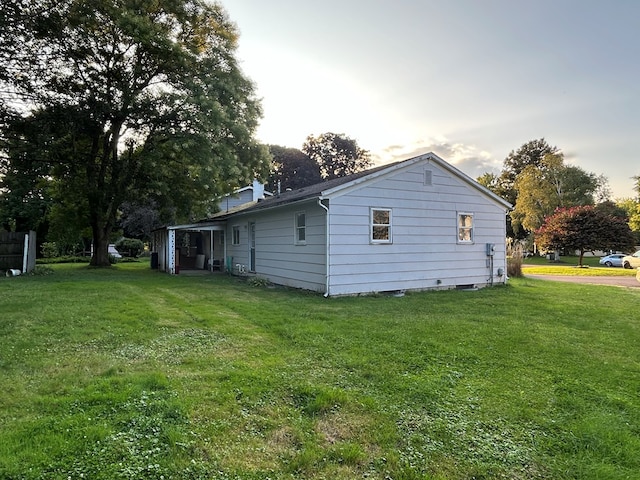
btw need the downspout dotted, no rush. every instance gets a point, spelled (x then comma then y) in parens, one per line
(327, 257)
(25, 253)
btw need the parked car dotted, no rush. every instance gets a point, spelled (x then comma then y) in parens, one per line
(631, 261)
(613, 260)
(113, 252)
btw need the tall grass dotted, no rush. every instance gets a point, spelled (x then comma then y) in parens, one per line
(129, 373)
(514, 260)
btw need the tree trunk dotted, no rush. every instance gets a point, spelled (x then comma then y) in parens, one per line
(100, 257)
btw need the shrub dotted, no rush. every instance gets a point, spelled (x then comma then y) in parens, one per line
(130, 247)
(258, 282)
(62, 259)
(41, 270)
(128, 260)
(50, 250)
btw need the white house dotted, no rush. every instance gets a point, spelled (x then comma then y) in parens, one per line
(413, 225)
(244, 195)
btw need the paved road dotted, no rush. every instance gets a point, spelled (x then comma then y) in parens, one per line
(615, 281)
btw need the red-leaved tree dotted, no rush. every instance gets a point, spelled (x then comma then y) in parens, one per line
(584, 228)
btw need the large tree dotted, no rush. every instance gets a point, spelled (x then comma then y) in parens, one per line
(632, 210)
(584, 228)
(336, 154)
(291, 169)
(548, 185)
(140, 219)
(25, 193)
(529, 154)
(147, 98)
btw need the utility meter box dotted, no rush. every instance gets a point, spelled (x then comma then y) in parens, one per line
(491, 248)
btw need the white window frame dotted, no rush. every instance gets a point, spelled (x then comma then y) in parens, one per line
(235, 238)
(462, 228)
(299, 228)
(373, 226)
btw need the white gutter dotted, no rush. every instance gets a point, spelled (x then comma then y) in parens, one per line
(327, 257)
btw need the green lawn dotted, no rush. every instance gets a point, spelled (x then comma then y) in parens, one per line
(130, 374)
(569, 266)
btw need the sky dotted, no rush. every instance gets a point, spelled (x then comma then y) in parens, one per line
(470, 80)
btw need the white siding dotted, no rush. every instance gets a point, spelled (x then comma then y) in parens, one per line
(424, 252)
(230, 201)
(278, 258)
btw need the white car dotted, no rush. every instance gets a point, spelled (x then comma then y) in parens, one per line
(613, 260)
(113, 252)
(631, 261)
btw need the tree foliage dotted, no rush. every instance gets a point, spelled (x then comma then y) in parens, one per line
(292, 169)
(139, 218)
(631, 208)
(140, 99)
(584, 228)
(25, 195)
(490, 181)
(548, 185)
(530, 154)
(336, 154)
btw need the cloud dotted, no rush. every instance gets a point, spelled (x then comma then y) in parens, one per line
(468, 158)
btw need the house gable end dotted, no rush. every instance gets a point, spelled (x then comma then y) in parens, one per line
(426, 159)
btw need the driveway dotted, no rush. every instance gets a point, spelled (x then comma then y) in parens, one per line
(615, 281)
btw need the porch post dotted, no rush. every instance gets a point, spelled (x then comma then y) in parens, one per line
(225, 268)
(171, 252)
(211, 250)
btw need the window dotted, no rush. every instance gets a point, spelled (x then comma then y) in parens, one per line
(465, 228)
(301, 228)
(380, 225)
(235, 239)
(221, 237)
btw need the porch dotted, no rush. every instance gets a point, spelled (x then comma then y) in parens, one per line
(193, 247)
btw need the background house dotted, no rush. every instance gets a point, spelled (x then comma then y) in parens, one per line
(251, 193)
(412, 225)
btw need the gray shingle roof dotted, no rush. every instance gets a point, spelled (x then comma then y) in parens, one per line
(316, 190)
(291, 196)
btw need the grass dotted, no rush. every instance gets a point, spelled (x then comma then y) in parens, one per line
(569, 266)
(129, 373)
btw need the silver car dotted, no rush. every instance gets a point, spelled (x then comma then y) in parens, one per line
(613, 260)
(631, 261)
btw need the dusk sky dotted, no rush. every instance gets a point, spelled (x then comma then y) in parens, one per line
(468, 80)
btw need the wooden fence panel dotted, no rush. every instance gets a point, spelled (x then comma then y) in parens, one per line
(12, 251)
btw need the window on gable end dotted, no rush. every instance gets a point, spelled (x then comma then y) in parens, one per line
(380, 225)
(465, 228)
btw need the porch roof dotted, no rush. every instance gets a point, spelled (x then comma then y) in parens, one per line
(205, 226)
